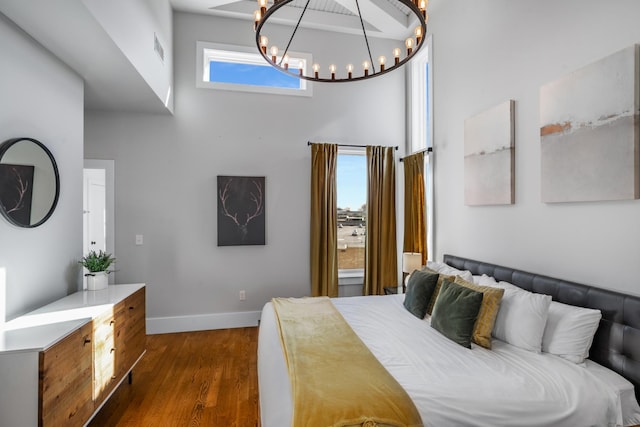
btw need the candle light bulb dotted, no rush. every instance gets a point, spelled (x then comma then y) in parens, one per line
(418, 33)
(274, 53)
(422, 5)
(316, 68)
(350, 70)
(365, 65)
(396, 55)
(382, 60)
(263, 6)
(285, 61)
(332, 69)
(256, 18)
(409, 43)
(264, 41)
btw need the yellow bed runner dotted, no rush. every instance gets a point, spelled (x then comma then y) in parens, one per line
(335, 380)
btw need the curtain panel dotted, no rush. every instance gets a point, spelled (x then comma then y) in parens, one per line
(415, 228)
(381, 256)
(324, 222)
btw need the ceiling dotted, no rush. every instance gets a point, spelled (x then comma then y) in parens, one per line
(383, 18)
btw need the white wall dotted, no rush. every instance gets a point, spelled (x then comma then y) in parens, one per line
(132, 25)
(166, 170)
(489, 51)
(42, 99)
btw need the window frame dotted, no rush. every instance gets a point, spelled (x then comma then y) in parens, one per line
(207, 51)
(420, 95)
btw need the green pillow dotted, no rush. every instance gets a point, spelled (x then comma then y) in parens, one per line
(456, 311)
(420, 287)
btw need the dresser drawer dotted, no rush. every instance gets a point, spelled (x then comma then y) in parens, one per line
(65, 381)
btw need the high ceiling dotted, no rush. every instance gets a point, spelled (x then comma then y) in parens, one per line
(382, 18)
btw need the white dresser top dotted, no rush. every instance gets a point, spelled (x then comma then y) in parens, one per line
(39, 329)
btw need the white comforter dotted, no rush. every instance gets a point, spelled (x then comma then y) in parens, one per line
(451, 385)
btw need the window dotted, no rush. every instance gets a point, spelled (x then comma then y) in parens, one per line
(351, 182)
(243, 69)
(421, 90)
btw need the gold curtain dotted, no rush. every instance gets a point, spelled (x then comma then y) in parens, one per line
(415, 228)
(381, 256)
(324, 223)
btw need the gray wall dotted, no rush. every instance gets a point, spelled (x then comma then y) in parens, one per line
(42, 99)
(166, 170)
(489, 51)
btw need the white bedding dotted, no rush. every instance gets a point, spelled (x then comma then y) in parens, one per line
(454, 386)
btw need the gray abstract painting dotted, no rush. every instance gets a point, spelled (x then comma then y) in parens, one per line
(488, 156)
(589, 132)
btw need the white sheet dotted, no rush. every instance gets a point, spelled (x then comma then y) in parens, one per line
(451, 385)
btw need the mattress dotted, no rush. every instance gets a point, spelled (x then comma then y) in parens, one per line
(451, 385)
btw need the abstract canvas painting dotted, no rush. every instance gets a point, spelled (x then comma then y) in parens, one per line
(241, 216)
(589, 132)
(488, 156)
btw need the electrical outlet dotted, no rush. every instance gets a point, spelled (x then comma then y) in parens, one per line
(139, 239)
(243, 296)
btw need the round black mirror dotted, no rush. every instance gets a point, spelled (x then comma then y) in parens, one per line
(29, 182)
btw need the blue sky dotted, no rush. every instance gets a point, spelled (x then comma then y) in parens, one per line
(352, 181)
(249, 74)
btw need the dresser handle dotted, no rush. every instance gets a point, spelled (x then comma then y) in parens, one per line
(86, 341)
(112, 322)
(131, 308)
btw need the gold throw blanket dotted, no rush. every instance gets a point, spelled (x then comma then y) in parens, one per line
(335, 380)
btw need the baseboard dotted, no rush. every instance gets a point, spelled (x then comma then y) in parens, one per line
(202, 322)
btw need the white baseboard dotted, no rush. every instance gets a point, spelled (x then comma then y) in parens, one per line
(202, 322)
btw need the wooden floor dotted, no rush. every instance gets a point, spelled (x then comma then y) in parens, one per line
(206, 378)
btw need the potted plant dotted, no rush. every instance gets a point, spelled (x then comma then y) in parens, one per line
(98, 264)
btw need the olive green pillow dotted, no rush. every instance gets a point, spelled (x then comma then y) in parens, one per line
(488, 311)
(455, 312)
(436, 291)
(420, 287)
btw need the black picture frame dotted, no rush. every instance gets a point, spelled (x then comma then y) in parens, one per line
(241, 210)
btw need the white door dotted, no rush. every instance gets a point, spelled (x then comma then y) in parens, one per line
(94, 218)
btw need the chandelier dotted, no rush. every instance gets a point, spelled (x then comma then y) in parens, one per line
(281, 60)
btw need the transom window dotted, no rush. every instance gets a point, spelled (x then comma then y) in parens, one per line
(241, 68)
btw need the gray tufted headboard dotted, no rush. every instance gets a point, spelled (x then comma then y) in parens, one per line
(617, 341)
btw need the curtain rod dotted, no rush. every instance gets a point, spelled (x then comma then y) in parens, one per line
(346, 145)
(424, 150)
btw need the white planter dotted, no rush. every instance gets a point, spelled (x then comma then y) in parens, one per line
(97, 281)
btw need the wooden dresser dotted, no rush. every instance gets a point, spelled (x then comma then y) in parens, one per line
(60, 363)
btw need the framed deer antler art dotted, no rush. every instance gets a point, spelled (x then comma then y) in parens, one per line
(241, 216)
(16, 187)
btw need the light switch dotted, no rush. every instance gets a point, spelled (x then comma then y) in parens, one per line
(139, 239)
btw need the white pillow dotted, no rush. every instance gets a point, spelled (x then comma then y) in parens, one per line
(569, 331)
(440, 267)
(506, 285)
(522, 318)
(485, 280)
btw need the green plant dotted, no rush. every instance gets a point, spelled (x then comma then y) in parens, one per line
(97, 261)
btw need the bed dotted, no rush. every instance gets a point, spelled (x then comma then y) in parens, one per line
(504, 386)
